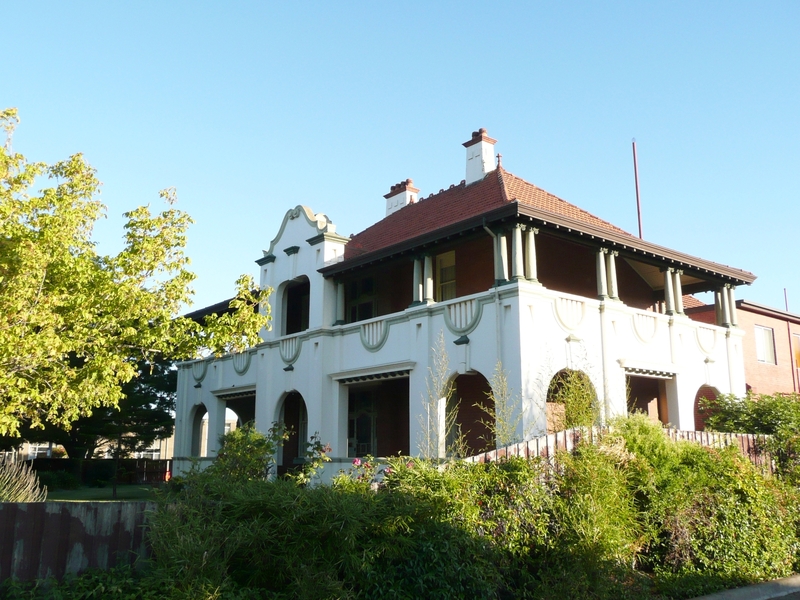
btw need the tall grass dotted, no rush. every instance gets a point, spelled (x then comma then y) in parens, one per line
(19, 483)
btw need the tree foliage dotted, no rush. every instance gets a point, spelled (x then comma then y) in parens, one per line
(74, 323)
(143, 415)
(777, 416)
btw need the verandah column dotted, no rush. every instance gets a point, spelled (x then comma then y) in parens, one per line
(611, 273)
(517, 266)
(669, 294)
(602, 281)
(502, 256)
(417, 291)
(724, 306)
(339, 303)
(732, 304)
(428, 295)
(530, 254)
(678, 292)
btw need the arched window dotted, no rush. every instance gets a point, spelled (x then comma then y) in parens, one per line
(296, 298)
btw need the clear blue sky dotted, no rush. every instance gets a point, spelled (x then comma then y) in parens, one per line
(250, 108)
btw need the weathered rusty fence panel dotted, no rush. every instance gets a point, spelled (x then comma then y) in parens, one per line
(51, 539)
(752, 446)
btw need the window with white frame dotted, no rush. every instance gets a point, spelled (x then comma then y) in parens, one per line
(765, 345)
(446, 276)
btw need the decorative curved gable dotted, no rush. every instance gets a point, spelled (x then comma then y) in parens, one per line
(318, 224)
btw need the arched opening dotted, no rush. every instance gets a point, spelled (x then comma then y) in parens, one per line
(296, 297)
(199, 425)
(571, 401)
(472, 396)
(295, 417)
(709, 393)
(648, 395)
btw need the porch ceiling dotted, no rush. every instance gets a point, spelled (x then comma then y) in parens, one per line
(654, 276)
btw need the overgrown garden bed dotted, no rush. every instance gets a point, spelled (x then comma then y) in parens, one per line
(634, 516)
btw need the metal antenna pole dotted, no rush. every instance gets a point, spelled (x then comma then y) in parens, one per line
(636, 178)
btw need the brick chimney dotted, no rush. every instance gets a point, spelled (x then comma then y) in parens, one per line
(400, 195)
(480, 156)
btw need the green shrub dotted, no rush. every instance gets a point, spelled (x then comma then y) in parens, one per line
(634, 516)
(58, 480)
(777, 416)
(247, 454)
(709, 517)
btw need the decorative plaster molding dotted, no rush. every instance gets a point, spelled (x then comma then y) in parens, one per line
(706, 339)
(645, 327)
(327, 237)
(318, 221)
(569, 313)
(374, 334)
(461, 318)
(241, 362)
(365, 372)
(199, 369)
(290, 349)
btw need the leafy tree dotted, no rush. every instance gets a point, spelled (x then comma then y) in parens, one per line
(142, 416)
(74, 323)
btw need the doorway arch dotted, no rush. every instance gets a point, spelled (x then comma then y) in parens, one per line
(294, 416)
(474, 403)
(199, 445)
(708, 392)
(571, 401)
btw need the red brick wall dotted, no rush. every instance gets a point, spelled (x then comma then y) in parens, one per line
(474, 266)
(647, 395)
(761, 378)
(395, 286)
(565, 266)
(765, 378)
(704, 314)
(633, 290)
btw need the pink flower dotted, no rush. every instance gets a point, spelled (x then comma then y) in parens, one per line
(409, 465)
(357, 462)
(388, 470)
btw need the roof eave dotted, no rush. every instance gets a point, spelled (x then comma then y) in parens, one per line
(418, 243)
(629, 245)
(636, 248)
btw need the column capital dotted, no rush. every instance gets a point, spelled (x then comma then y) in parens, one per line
(603, 250)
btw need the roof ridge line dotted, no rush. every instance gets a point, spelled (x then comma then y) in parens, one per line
(503, 189)
(572, 204)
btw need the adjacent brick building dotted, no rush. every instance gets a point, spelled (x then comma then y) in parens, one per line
(771, 345)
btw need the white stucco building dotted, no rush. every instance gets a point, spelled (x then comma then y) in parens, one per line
(507, 272)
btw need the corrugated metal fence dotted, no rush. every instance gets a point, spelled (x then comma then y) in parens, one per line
(752, 446)
(50, 539)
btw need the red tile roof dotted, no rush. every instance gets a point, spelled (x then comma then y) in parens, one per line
(460, 203)
(690, 301)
